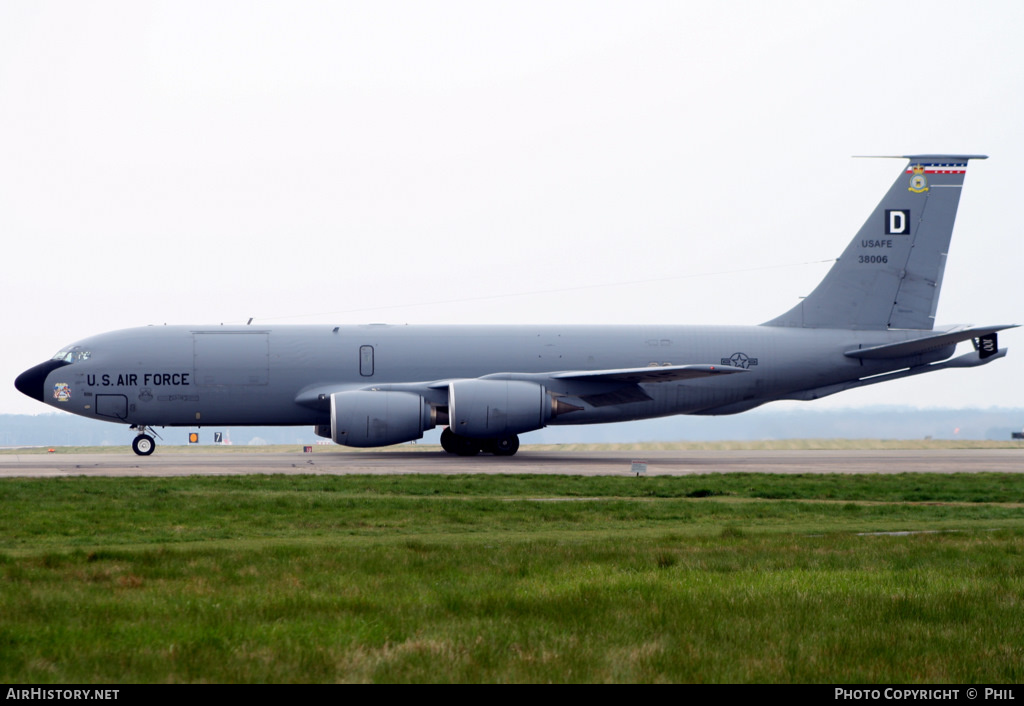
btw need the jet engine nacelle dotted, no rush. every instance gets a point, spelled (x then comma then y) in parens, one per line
(492, 409)
(364, 418)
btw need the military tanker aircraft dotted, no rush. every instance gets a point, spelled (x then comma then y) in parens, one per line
(871, 319)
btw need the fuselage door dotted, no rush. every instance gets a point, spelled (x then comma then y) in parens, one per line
(115, 406)
(231, 357)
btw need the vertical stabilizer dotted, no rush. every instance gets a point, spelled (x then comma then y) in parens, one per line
(889, 276)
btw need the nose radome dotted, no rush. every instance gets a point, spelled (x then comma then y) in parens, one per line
(32, 380)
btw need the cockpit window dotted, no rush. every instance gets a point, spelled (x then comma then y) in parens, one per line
(70, 355)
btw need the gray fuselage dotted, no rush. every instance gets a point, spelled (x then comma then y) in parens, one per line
(231, 375)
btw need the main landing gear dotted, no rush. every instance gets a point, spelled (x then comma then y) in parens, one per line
(143, 444)
(464, 446)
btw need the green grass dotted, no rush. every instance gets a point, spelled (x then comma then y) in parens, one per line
(723, 578)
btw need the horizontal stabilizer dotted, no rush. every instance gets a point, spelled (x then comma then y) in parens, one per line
(663, 373)
(926, 344)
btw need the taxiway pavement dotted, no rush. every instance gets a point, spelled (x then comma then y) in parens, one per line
(334, 462)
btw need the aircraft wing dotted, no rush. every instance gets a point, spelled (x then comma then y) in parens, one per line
(663, 373)
(622, 376)
(926, 344)
(605, 388)
(622, 385)
(600, 388)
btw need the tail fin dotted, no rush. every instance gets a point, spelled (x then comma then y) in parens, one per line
(889, 276)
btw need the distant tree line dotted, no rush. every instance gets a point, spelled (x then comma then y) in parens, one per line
(995, 424)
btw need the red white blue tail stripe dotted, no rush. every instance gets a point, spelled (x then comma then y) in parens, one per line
(957, 167)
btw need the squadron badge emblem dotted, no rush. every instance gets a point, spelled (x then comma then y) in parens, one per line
(918, 182)
(62, 392)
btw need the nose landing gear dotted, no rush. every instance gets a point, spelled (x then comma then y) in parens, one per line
(143, 444)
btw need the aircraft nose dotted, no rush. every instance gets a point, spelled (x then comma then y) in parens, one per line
(32, 380)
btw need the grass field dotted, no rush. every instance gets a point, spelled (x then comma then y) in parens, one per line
(724, 578)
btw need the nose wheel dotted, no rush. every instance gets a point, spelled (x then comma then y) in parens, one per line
(143, 444)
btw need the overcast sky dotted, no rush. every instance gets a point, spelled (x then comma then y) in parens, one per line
(491, 162)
